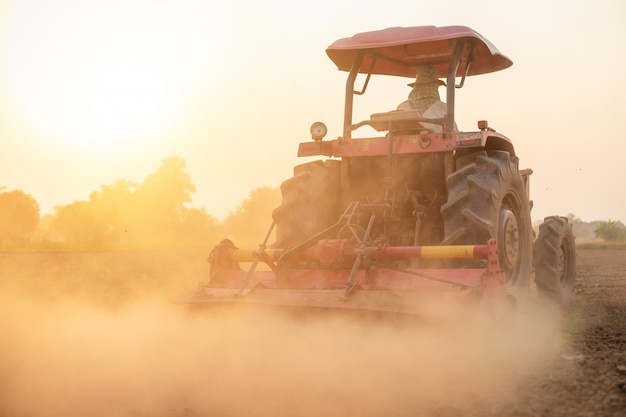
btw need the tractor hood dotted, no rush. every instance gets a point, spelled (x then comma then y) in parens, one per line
(400, 50)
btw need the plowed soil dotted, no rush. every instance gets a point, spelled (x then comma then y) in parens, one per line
(589, 377)
(95, 333)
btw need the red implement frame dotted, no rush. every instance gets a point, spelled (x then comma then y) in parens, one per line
(373, 283)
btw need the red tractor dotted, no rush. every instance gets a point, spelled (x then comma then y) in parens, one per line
(384, 222)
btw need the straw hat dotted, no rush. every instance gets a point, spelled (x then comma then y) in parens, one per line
(426, 75)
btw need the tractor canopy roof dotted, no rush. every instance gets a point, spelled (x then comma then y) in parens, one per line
(400, 50)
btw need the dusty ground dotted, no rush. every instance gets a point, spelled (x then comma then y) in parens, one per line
(95, 334)
(589, 377)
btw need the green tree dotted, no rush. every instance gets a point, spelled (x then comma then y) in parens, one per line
(198, 228)
(573, 219)
(611, 231)
(169, 188)
(74, 223)
(161, 201)
(113, 208)
(102, 219)
(153, 212)
(249, 223)
(19, 216)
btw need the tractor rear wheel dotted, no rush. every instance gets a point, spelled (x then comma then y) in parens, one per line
(310, 202)
(487, 199)
(555, 259)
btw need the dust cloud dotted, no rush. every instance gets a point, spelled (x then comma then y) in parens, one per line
(71, 356)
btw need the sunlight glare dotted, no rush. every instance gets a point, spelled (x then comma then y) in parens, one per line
(103, 74)
(125, 96)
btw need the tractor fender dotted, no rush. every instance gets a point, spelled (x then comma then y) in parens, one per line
(497, 142)
(485, 140)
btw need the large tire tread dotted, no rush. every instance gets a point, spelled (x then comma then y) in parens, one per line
(484, 184)
(309, 202)
(555, 259)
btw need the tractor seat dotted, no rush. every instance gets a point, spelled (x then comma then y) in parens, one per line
(397, 120)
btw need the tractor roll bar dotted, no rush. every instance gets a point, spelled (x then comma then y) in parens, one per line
(455, 59)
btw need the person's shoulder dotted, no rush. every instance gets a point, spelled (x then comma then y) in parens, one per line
(405, 105)
(437, 109)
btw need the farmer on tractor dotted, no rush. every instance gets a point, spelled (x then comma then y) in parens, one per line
(424, 97)
(384, 221)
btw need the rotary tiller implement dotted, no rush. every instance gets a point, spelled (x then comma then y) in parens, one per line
(339, 274)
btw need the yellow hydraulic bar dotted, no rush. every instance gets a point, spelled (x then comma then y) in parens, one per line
(449, 252)
(392, 252)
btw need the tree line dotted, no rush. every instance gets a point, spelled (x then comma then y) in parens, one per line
(153, 213)
(156, 213)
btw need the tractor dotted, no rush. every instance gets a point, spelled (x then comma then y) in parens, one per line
(381, 222)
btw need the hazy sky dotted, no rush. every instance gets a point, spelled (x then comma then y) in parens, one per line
(94, 91)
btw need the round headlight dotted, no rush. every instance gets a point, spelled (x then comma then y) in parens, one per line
(318, 131)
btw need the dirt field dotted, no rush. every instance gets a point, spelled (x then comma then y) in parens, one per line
(589, 377)
(97, 334)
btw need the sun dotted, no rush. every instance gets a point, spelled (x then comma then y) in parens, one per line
(124, 97)
(118, 101)
(98, 73)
